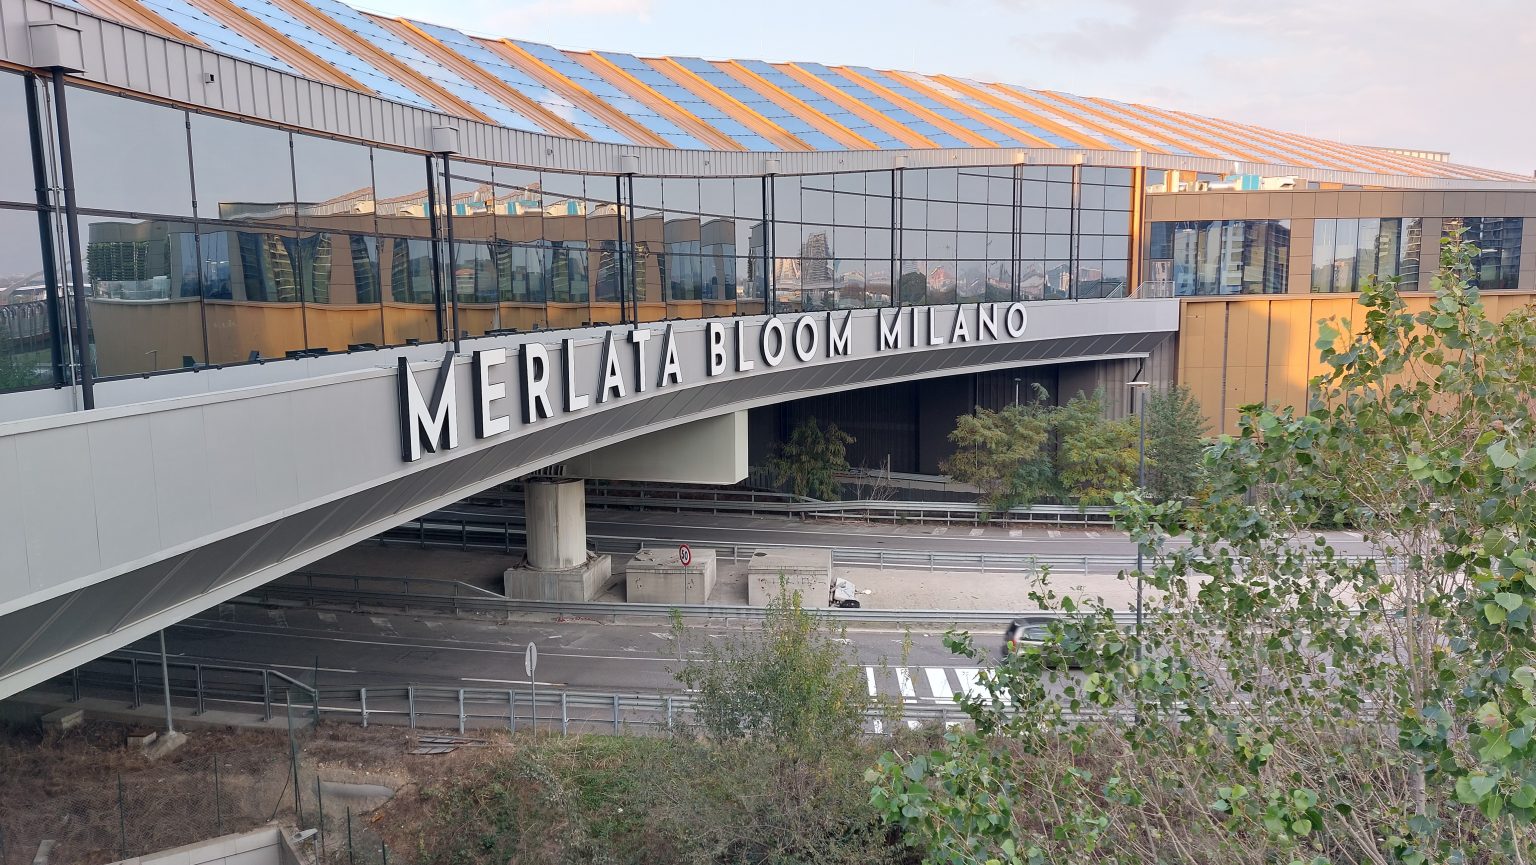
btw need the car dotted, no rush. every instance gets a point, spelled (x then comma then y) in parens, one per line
(1032, 634)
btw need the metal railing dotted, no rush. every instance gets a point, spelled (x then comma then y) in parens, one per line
(419, 706)
(778, 504)
(194, 683)
(359, 592)
(489, 531)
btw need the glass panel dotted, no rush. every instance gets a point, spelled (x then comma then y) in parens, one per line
(1409, 243)
(129, 155)
(568, 272)
(335, 183)
(519, 206)
(400, 187)
(1366, 251)
(340, 276)
(410, 313)
(1323, 233)
(16, 181)
(1344, 254)
(243, 171)
(25, 332)
(142, 282)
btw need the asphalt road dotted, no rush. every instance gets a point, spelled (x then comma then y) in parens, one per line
(372, 650)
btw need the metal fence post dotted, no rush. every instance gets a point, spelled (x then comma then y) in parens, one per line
(198, 669)
(461, 711)
(362, 698)
(74, 685)
(410, 701)
(616, 722)
(218, 812)
(669, 712)
(511, 711)
(565, 716)
(320, 809)
(122, 820)
(134, 664)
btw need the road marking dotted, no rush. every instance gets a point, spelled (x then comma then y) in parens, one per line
(976, 533)
(279, 618)
(869, 674)
(661, 635)
(328, 618)
(308, 668)
(1053, 533)
(514, 682)
(431, 625)
(904, 682)
(938, 683)
(384, 625)
(940, 530)
(1092, 534)
(1015, 533)
(970, 682)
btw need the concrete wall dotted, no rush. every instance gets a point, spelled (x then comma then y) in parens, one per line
(259, 847)
(712, 451)
(118, 521)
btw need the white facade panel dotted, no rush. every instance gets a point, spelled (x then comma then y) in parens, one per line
(60, 495)
(121, 456)
(181, 462)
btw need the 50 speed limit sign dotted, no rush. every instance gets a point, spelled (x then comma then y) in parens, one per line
(684, 554)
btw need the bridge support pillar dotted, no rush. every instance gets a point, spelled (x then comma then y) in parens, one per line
(558, 566)
(557, 523)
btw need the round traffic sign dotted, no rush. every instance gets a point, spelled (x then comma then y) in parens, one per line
(531, 660)
(684, 555)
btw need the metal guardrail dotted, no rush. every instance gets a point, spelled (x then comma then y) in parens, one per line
(447, 596)
(488, 531)
(776, 504)
(418, 706)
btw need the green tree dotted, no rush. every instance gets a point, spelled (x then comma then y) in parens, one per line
(1285, 702)
(1004, 454)
(808, 463)
(1095, 457)
(793, 682)
(1176, 431)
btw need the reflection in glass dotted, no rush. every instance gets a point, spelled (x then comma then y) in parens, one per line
(1497, 239)
(335, 183)
(243, 171)
(400, 193)
(340, 275)
(142, 282)
(16, 181)
(128, 155)
(1209, 257)
(25, 329)
(410, 311)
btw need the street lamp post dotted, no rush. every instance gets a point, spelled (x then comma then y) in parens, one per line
(1016, 390)
(1140, 389)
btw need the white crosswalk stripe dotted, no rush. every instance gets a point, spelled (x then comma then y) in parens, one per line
(938, 683)
(1015, 533)
(1053, 533)
(970, 682)
(869, 674)
(976, 533)
(904, 682)
(940, 530)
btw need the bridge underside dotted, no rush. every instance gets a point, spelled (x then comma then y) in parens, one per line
(94, 616)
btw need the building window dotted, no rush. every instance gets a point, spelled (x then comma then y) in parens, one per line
(1213, 257)
(1348, 253)
(1497, 239)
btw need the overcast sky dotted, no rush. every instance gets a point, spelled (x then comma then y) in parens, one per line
(1401, 73)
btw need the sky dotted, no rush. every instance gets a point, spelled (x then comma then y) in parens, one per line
(1457, 77)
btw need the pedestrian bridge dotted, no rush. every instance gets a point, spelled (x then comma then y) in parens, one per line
(179, 492)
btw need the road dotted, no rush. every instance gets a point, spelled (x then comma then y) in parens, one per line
(372, 650)
(729, 529)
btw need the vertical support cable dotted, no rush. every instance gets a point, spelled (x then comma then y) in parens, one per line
(76, 267)
(165, 682)
(770, 295)
(45, 236)
(437, 258)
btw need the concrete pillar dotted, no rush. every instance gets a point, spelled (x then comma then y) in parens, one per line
(557, 523)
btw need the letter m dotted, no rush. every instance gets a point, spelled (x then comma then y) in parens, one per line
(427, 427)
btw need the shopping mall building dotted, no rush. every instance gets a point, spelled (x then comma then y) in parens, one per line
(236, 181)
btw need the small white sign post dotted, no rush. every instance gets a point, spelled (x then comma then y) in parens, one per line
(531, 663)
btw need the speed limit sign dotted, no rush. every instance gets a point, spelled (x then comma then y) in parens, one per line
(684, 555)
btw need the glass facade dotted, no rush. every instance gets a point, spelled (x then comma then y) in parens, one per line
(1348, 253)
(235, 242)
(1498, 242)
(1217, 257)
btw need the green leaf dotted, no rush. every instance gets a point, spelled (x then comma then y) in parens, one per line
(1494, 613)
(1525, 797)
(1502, 458)
(1301, 826)
(1508, 600)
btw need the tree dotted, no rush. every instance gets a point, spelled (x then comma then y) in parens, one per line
(808, 463)
(1004, 453)
(1285, 702)
(1176, 431)
(794, 682)
(1095, 457)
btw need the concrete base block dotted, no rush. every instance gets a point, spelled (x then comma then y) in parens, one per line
(807, 571)
(165, 744)
(63, 719)
(658, 576)
(582, 583)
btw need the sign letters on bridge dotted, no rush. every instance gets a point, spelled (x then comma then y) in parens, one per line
(542, 386)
